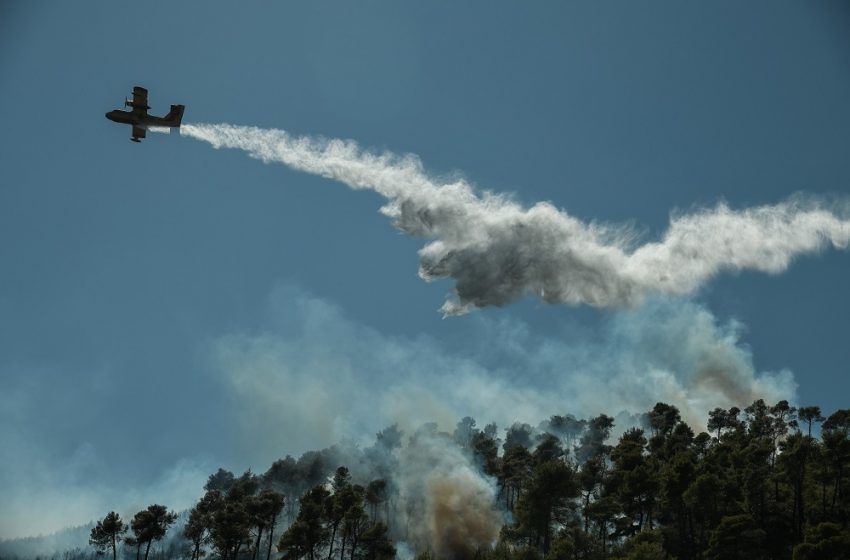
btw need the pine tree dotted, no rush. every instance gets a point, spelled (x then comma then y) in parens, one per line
(108, 533)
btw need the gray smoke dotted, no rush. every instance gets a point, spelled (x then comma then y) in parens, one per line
(46, 487)
(497, 251)
(448, 507)
(324, 377)
(314, 376)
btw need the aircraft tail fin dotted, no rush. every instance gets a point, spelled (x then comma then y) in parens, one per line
(175, 115)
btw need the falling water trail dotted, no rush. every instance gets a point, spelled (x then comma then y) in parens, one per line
(497, 250)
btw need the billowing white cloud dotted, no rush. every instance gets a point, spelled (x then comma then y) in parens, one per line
(496, 250)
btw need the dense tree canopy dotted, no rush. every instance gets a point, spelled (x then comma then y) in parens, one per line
(764, 482)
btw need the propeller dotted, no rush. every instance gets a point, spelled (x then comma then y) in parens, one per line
(127, 102)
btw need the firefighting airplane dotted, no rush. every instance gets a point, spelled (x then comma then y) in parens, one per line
(138, 117)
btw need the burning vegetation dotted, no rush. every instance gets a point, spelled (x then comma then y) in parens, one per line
(756, 484)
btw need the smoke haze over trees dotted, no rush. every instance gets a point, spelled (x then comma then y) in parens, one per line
(757, 485)
(312, 366)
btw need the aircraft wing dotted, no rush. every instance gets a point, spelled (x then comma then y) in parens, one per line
(140, 99)
(140, 95)
(138, 132)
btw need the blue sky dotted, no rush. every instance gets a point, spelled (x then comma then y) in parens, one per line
(130, 270)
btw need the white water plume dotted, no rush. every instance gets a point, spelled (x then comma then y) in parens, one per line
(497, 251)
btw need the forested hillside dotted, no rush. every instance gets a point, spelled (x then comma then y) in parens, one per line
(766, 482)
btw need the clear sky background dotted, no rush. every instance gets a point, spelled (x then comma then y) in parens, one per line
(128, 271)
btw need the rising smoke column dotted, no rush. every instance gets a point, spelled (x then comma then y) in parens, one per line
(498, 251)
(447, 505)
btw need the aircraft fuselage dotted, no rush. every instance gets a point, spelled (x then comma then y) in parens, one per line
(142, 121)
